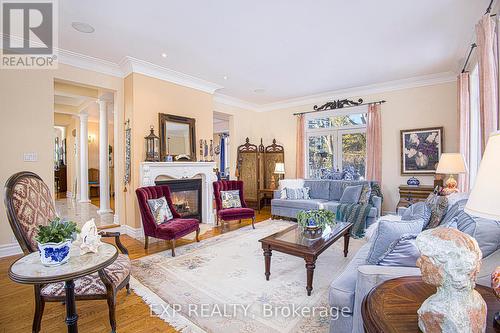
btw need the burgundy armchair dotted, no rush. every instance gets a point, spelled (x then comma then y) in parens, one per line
(231, 214)
(173, 229)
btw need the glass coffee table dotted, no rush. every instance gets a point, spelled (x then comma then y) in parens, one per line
(293, 242)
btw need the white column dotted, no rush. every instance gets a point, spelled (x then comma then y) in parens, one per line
(103, 159)
(84, 157)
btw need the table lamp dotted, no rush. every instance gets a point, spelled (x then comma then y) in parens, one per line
(451, 164)
(279, 169)
(484, 198)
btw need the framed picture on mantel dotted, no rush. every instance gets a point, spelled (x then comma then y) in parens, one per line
(420, 150)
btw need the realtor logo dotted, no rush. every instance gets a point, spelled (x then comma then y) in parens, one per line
(29, 36)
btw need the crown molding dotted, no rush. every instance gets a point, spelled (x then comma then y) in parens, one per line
(377, 88)
(132, 65)
(90, 63)
(232, 101)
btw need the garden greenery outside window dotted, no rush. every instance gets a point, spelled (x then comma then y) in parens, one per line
(335, 140)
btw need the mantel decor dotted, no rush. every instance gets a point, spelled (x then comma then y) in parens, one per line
(420, 150)
(152, 146)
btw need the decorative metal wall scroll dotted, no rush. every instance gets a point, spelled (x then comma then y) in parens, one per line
(128, 130)
(338, 104)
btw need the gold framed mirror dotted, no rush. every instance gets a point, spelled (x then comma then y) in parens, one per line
(177, 137)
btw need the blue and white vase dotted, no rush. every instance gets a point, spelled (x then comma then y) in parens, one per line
(54, 254)
(413, 182)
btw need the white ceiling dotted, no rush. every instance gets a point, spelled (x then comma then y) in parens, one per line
(290, 48)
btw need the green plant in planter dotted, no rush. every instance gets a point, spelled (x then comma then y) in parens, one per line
(56, 231)
(319, 218)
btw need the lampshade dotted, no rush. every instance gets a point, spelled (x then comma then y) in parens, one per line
(279, 168)
(484, 199)
(451, 163)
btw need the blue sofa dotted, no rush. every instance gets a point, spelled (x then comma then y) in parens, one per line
(324, 194)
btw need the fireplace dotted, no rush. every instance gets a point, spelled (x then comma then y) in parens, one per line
(186, 196)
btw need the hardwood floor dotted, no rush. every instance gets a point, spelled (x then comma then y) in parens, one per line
(132, 314)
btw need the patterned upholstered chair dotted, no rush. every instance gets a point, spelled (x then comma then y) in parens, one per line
(231, 214)
(29, 205)
(176, 228)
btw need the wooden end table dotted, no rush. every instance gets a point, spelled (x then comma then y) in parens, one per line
(293, 242)
(29, 270)
(263, 193)
(392, 306)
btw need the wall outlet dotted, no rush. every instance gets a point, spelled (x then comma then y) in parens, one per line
(30, 157)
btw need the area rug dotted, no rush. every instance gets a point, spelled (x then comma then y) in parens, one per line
(218, 285)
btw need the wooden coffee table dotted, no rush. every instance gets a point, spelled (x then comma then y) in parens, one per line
(392, 306)
(293, 242)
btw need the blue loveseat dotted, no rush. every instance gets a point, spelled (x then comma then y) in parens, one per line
(324, 194)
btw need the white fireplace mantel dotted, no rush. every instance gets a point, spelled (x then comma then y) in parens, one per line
(150, 171)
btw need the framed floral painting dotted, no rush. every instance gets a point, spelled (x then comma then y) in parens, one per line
(420, 150)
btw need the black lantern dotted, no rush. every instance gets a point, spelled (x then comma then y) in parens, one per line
(152, 147)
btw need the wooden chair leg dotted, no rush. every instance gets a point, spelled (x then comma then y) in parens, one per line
(146, 242)
(172, 243)
(111, 307)
(128, 288)
(239, 221)
(253, 222)
(39, 306)
(198, 234)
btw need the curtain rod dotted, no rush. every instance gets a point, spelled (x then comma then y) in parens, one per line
(345, 107)
(472, 47)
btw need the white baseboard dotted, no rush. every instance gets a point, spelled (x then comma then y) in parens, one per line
(136, 233)
(11, 249)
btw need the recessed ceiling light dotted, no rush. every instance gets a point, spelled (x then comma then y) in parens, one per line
(259, 90)
(83, 27)
(164, 55)
(225, 77)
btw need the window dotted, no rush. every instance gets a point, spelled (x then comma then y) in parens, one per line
(336, 140)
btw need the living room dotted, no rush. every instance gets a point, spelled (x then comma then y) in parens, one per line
(203, 101)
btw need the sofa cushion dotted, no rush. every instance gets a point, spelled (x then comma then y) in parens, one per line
(342, 289)
(298, 204)
(318, 188)
(401, 252)
(485, 231)
(176, 228)
(351, 194)
(454, 211)
(419, 210)
(236, 213)
(336, 190)
(388, 232)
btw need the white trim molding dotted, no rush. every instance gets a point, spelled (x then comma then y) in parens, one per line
(11, 249)
(133, 65)
(413, 82)
(90, 63)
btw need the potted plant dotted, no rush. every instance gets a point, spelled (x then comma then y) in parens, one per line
(54, 241)
(313, 222)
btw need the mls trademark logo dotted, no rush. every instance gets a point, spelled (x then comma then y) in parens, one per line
(29, 36)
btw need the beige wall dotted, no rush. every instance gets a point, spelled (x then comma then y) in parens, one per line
(146, 97)
(427, 106)
(27, 120)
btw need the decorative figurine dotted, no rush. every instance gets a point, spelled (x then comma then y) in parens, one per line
(205, 151)
(201, 150)
(89, 237)
(413, 182)
(450, 260)
(211, 150)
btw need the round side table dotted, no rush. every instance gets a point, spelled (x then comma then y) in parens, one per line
(392, 306)
(29, 270)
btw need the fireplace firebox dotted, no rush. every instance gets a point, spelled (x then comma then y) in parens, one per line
(186, 196)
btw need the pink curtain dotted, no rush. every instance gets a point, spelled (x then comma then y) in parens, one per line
(299, 159)
(464, 126)
(374, 144)
(488, 76)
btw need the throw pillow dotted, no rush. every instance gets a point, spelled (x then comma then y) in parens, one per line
(364, 197)
(401, 252)
(294, 193)
(388, 232)
(419, 210)
(439, 206)
(456, 209)
(351, 194)
(230, 199)
(485, 231)
(305, 193)
(160, 210)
